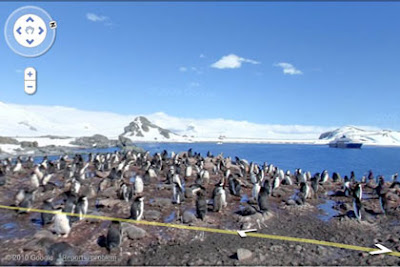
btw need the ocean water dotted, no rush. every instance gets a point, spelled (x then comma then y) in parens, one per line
(313, 158)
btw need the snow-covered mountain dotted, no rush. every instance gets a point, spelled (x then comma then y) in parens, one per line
(41, 123)
(366, 136)
(141, 129)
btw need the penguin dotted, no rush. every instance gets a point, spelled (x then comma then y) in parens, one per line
(357, 193)
(137, 208)
(255, 191)
(188, 172)
(177, 191)
(82, 206)
(324, 176)
(3, 177)
(125, 192)
(219, 197)
(305, 189)
(380, 187)
(114, 236)
(27, 202)
(61, 224)
(234, 186)
(346, 186)
(383, 203)
(287, 180)
(357, 205)
(47, 218)
(138, 185)
(315, 184)
(263, 200)
(201, 205)
(336, 177)
(352, 177)
(19, 197)
(34, 180)
(18, 167)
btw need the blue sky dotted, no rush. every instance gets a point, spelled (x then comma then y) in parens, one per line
(274, 63)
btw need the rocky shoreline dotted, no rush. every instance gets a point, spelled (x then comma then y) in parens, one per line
(327, 215)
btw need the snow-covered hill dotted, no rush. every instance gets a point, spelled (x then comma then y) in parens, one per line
(42, 123)
(366, 136)
(141, 129)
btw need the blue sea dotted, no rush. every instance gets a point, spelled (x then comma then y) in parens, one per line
(313, 158)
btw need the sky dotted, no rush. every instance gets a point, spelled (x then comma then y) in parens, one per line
(307, 63)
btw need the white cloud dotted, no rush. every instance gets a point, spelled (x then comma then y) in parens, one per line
(232, 61)
(288, 68)
(182, 69)
(97, 18)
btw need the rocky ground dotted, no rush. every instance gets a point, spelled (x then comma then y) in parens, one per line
(328, 216)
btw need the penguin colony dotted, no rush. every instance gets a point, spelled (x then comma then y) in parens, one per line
(209, 184)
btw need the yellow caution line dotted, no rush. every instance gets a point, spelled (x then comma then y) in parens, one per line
(212, 230)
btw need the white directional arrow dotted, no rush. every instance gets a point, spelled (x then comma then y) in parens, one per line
(242, 233)
(382, 250)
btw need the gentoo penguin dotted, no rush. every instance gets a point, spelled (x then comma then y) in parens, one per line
(324, 176)
(3, 178)
(263, 200)
(137, 208)
(34, 180)
(346, 186)
(177, 190)
(352, 177)
(201, 205)
(27, 202)
(234, 185)
(19, 197)
(255, 191)
(18, 167)
(82, 206)
(125, 192)
(138, 185)
(114, 236)
(219, 197)
(188, 171)
(383, 203)
(305, 190)
(381, 183)
(47, 218)
(61, 224)
(287, 180)
(357, 205)
(315, 184)
(357, 193)
(336, 177)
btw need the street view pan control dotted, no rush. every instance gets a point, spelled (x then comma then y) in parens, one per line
(199, 133)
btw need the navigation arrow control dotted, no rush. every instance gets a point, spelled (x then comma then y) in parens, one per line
(19, 31)
(382, 250)
(29, 41)
(242, 233)
(30, 19)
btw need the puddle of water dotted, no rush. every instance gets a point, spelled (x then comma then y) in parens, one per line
(244, 198)
(328, 211)
(170, 217)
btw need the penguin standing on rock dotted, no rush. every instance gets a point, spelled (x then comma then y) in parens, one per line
(114, 236)
(234, 186)
(47, 218)
(137, 208)
(82, 206)
(201, 205)
(219, 197)
(177, 189)
(138, 185)
(305, 190)
(61, 224)
(263, 200)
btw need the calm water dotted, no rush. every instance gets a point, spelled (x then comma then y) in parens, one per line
(314, 158)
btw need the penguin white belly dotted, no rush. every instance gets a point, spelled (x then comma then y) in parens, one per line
(138, 185)
(140, 211)
(255, 191)
(61, 224)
